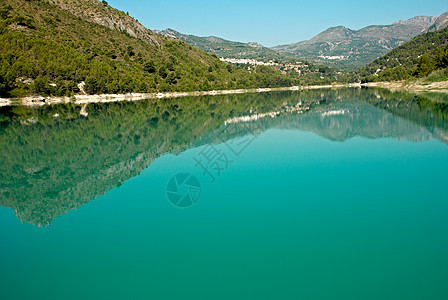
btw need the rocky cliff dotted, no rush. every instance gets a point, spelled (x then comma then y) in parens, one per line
(105, 15)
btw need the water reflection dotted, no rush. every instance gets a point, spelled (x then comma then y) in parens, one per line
(55, 160)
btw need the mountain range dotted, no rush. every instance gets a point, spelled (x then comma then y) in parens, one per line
(338, 46)
(225, 48)
(358, 47)
(345, 47)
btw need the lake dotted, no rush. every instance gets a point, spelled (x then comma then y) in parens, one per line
(318, 194)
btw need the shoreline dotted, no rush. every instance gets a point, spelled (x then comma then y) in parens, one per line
(415, 87)
(439, 87)
(105, 98)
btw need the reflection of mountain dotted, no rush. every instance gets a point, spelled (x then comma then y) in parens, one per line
(358, 114)
(344, 120)
(53, 160)
(429, 111)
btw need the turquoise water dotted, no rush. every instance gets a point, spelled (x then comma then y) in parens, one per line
(344, 200)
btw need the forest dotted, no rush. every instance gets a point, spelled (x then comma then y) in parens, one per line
(45, 50)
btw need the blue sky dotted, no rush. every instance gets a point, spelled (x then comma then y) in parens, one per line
(272, 22)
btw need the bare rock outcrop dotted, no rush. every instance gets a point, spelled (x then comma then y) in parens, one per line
(103, 14)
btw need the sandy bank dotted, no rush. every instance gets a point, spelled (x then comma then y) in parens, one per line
(417, 86)
(86, 99)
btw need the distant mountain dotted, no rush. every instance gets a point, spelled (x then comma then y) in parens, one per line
(348, 47)
(417, 21)
(440, 23)
(224, 48)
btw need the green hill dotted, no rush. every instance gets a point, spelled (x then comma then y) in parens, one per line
(48, 48)
(417, 58)
(227, 49)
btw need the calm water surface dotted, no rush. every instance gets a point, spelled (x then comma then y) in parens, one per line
(305, 195)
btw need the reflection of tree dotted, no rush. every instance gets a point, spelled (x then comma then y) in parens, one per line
(53, 160)
(426, 110)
